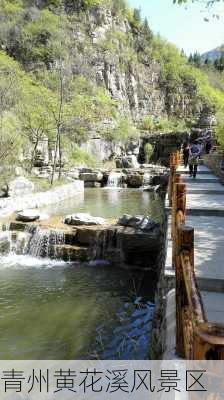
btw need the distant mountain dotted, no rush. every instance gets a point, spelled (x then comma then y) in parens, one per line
(213, 54)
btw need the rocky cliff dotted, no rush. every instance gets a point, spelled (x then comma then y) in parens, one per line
(107, 49)
(116, 76)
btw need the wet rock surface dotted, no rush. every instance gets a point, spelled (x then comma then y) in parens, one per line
(83, 219)
(91, 176)
(139, 222)
(28, 215)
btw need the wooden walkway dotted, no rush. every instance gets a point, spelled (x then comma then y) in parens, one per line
(205, 212)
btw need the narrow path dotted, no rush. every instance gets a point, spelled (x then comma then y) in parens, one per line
(205, 212)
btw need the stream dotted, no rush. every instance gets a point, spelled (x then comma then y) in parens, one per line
(55, 310)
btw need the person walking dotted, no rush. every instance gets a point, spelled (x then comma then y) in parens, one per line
(185, 154)
(208, 146)
(194, 154)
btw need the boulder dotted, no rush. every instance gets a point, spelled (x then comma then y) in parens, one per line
(135, 180)
(160, 180)
(83, 219)
(144, 223)
(139, 249)
(20, 186)
(30, 215)
(87, 236)
(91, 176)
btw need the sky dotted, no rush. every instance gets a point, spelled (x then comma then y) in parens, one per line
(184, 26)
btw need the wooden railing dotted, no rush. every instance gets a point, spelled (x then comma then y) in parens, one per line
(196, 338)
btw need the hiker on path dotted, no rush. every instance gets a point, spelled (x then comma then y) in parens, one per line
(194, 154)
(185, 154)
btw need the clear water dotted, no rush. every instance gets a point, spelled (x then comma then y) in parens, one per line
(54, 310)
(111, 203)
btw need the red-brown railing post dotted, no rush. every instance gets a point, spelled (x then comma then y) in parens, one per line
(179, 204)
(173, 167)
(178, 179)
(185, 242)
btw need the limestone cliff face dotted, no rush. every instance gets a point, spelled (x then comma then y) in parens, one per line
(105, 48)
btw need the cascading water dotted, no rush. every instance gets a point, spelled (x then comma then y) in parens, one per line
(34, 241)
(43, 242)
(115, 180)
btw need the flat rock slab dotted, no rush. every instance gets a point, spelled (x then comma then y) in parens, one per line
(209, 242)
(205, 201)
(214, 306)
(208, 178)
(205, 186)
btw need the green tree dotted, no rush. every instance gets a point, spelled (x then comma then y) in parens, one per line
(33, 113)
(146, 29)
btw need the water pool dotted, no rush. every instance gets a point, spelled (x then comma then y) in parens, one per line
(56, 310)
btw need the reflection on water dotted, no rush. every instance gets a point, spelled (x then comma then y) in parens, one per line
(110, 203)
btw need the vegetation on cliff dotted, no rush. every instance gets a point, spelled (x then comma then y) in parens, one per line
(73, 67)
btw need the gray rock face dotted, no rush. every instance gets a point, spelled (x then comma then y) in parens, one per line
(20, 186)
(139, 222)
(83, 219)
(127, 162)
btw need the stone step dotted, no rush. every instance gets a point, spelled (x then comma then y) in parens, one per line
(206, 284)
(209, 178)
(196, 190)
(214, 306)
(209, 239)
(207, 204)
(211, 212)
(202, 170)
(71, 253)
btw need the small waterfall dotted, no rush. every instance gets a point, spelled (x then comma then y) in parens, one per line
(34, 241)
(146, 178)
(115, 180)
(5, 242)
(43, 242)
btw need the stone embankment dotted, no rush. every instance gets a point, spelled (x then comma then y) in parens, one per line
(213, 161)
(41, 199)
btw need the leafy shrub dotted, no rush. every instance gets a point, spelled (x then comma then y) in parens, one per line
(81, 157)
(148, 149)
(123, 131)
(147, 123)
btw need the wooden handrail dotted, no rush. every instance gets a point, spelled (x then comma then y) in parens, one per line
(196, 338)
(174, 162)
